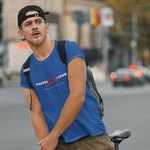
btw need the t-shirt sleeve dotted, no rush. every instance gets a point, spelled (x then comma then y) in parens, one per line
(73, 50)
(23, 81)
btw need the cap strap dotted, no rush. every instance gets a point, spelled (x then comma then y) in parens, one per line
(33, 15)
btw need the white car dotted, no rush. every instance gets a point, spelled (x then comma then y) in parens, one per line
(98, 74)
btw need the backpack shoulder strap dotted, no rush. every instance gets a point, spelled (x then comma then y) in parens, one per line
(26, 72)
(61, 51)
(26, 69)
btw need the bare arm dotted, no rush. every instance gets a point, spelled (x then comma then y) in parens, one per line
(36, 114)
(74, 102)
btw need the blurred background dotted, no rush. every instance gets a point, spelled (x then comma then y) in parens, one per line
(112, 34)
(115, 38)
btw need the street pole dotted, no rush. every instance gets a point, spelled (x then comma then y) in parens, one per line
(105, 47)
(134, 41)
(107, 20)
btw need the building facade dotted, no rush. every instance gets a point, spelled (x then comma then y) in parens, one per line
(62, 26)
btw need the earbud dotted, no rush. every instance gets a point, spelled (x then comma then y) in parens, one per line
(23, 39)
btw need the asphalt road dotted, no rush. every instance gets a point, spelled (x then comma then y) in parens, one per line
(128, 108)
(125, 108)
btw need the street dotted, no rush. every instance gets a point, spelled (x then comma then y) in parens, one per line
(128, 108)
(125, 108)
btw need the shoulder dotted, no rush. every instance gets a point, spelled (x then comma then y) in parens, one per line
(26, 64)
(73, 50)
(23, 81)
(71, 43)
(71, 46)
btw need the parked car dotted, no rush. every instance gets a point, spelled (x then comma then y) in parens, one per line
(141, 72)
(146, 73)
(98, 74)
(125, 76)
(1, 77)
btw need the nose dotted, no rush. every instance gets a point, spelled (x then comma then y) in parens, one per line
(34, 26)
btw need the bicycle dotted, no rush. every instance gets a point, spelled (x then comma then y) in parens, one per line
(118, 136)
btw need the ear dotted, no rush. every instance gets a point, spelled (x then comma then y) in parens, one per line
(47, 27)
(20, 33)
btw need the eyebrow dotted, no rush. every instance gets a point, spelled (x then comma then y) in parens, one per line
(32, 20)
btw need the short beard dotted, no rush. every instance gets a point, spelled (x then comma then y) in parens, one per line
(37, 42)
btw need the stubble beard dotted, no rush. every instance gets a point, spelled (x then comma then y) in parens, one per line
(37, 42)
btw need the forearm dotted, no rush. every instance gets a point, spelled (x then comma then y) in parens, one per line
(40, 126)
(76, 98)
(68, 114)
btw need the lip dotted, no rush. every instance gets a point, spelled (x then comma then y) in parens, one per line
(35, 34)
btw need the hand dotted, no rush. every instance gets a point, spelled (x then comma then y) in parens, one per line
(48, 143)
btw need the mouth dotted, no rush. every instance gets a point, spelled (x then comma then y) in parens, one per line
(35, 34)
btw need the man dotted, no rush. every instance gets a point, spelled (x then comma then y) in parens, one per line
(64, 113)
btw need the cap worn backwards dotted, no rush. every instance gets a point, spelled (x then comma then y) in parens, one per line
(22, 13)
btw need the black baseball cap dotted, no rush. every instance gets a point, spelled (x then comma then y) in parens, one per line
(22, 13)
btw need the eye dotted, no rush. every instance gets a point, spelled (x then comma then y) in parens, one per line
(39, 21)
(27, 24)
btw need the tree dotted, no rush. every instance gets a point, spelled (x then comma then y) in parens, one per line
(121, 33)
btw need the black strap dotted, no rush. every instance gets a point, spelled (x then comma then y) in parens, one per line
(26, 72)
(26, 69)
(61, 51)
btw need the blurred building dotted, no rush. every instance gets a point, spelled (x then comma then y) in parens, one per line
(62, 21)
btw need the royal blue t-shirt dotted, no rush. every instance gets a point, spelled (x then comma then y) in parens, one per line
(49, 79)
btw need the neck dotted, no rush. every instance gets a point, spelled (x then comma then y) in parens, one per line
(42, 51)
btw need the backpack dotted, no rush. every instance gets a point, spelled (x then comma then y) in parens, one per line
(91, 84)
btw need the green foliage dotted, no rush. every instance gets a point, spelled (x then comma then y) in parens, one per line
(123, 23)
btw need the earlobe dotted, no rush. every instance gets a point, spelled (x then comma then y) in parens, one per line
(47, 27)
(20, 33)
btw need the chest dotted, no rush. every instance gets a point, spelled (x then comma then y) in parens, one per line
(48, 74)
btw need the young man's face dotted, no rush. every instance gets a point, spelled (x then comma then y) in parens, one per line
(34, 29)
